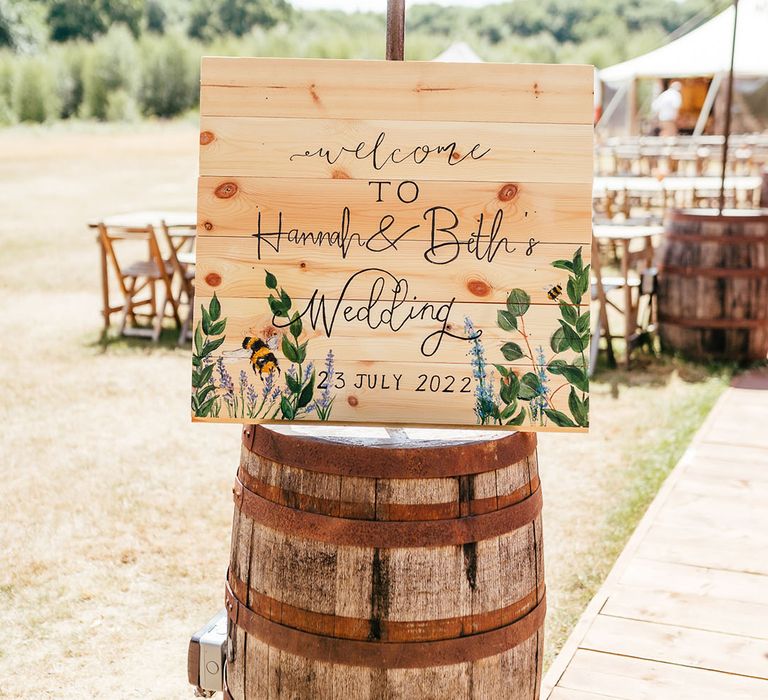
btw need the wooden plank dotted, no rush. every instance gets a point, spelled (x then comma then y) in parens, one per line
(551, 212)
(648, 574)
(713, 651)
(714, 468)
(235, 267)
(718, 549)
(282, 87)
(601, 675)
(365, 343)
(444, 394)
(688, 610)
(570, 694)
(497, 152)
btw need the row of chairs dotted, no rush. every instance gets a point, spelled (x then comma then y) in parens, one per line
(158, 285)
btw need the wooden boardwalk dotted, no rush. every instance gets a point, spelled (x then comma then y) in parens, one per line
(684, 612)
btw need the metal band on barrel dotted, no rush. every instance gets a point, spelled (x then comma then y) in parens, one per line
(714, 323)
(715, 272)
(385, 461)
(361, 510)
(332, 625)
(384, 654)
(386, 533)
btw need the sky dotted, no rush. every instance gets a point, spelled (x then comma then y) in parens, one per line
(381, 5)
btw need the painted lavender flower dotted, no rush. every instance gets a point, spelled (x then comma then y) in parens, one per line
(540, 402)
(325, 402)
(226, 384)
(485, 406)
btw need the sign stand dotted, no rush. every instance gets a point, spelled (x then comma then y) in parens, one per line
(377, 562)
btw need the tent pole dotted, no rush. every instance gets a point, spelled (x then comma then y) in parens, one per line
(709, 101)
(727, 131)
(632, 108)
(395, 30)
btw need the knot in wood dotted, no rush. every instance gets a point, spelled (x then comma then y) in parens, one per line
(479, 288)
(508, 191)
(352, 401)
(213, 279)
(207, 225)
(226, 190)
(206, 137)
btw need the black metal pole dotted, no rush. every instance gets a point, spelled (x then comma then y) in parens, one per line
(395, 30)
(729, 102)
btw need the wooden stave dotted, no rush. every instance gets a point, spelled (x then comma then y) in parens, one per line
(520, 662)
(684, 279)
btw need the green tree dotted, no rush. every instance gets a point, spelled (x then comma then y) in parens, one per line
(87, 19)
(209, 18)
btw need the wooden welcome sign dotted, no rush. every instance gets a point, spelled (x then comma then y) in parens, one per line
(393, 243)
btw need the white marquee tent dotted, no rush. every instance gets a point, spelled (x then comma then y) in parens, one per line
(706, 51)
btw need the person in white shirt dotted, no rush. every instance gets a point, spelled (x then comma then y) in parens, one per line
(666, 108)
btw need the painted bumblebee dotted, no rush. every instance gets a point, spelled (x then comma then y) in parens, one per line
(263, 360)
(554, 291)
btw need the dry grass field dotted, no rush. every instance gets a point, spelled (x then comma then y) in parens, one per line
(115, 510)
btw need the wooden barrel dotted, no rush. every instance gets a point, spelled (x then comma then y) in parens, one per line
(713, 285)
(385, 568)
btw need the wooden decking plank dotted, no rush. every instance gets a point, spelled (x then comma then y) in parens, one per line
(689, 610)
(638, 679)
(571, 694)
(682, 613)
(687, 579)
(716, 550)
(713, 651)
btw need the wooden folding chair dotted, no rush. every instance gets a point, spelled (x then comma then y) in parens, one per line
(180, 240)
(139, 277)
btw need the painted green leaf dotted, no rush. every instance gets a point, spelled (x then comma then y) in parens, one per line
(218, 327)
(290, 350)
(578, 263)
(578, 409)
(509, 411)
(519, 419)
(285, 300)
(512, 351)
(202, 376)
(306, 392)
(584, 281)
(502, 370)
(206, 321)
(569, 313)
(530, 386)
(293, 384)
(506, 321)
(270, 280)
(563, 265)
(558, 342)
(556, 366)
(204, 392)
(580, 362)
(286, 409)
(582, 323)
(507, 394)
(514, 383)
(205, 408)
(215, 308)
(573, 291)
(277, 307)
(518, 302)
(212, 345)
(559, 418)
(576, 376)
(296, 325)
(302, 352)
(198, 340)
(195, 360)
(575, 342)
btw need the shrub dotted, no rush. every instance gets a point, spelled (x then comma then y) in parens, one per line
(170, 75)
(110, 65)
(7, 72)
(34, 94)
(121, 107)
